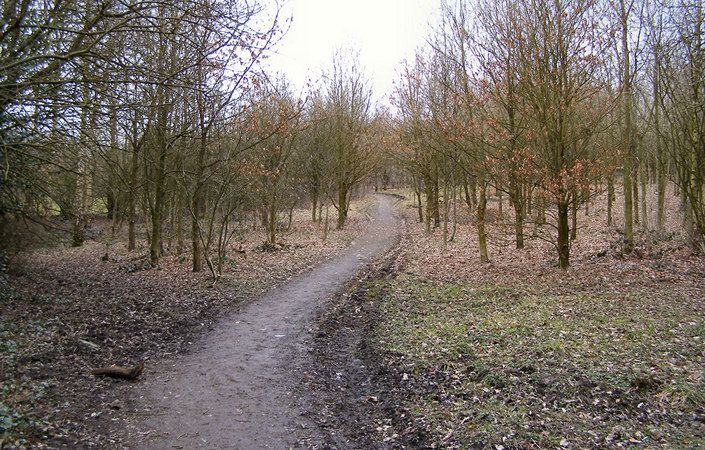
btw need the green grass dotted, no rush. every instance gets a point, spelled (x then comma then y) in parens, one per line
(528, 369)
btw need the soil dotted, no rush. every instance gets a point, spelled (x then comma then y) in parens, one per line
(65, 311)
(236, 387)
(352, 394)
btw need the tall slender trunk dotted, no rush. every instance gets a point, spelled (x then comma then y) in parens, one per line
(82, 193)
(132, 200)
(342, 205)
(627, 133)
(291, 216)
(644, 207)
(466, 191)
(429, 204)
(481, 232)
(114, 203)
(179, 218)
(529, 202)
(541, 213)
(159, 179)
(455, 214)
(635, 193)
(197, 203)
(661, 157)
(662, 184)
(563, 236)
(435, 203)
(610, 199)
(445, 215)
(574, 218)
(519, 220)
(314, 204)
(272, 219)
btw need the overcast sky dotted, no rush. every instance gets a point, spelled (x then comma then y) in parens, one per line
(385, 32)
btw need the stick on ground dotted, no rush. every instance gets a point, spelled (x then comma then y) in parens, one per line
(126, 373)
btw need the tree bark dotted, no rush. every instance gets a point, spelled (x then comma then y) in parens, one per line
(314, 204)
(644, 208)
(627, 133)
(481, 232)
(519, 222)
(132, 201)
(563, 236)
(610, 199)
(574, 218)
(342, 205)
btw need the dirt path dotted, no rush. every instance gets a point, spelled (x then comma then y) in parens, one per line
(234, 390)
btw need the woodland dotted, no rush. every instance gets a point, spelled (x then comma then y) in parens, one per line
(547, 163)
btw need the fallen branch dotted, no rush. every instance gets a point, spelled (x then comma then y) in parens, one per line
(126, 373)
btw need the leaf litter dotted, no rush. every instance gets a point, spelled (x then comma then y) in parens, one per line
(65, 311)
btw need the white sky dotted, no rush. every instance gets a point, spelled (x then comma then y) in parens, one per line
(385, 32)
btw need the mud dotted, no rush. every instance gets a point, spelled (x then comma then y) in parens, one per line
(238, 387)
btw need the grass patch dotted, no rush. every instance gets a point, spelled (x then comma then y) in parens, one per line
(495, 365)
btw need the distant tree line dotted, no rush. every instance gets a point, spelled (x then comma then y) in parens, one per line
(160, 114)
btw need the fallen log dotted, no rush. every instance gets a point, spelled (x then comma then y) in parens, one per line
(125, 373)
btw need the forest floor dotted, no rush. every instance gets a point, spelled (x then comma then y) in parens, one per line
(64, 311)
(446, 352)
(427, 348)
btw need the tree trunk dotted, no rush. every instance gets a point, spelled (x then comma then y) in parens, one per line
(610, 199)
(157, 210)
(635, 195)
(197, 206)
(445, 216)
(82, 194)
(574, 218)
(272, 220)
(466, 191)
(455, 214)
(342, 205)
(435, 203)
(110, 202)
(563, 236)
(291, 216)
(420, 205)
(519, 222)
(314, 205)
(429, 204)
(644, 215)
(662, 183)
(662, 157)
(481, 232)
(529, 202)
(627, 132)
(541, 213)
(179, 217)
(132, 201)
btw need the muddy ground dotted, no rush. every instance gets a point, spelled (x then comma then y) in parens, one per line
(64, 311)
(355, 398)
(235, 387)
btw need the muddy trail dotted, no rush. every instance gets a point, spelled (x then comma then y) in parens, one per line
(355, 398)
(239, 385)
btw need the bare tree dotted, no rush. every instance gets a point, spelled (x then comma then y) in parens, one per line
(347, 105)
